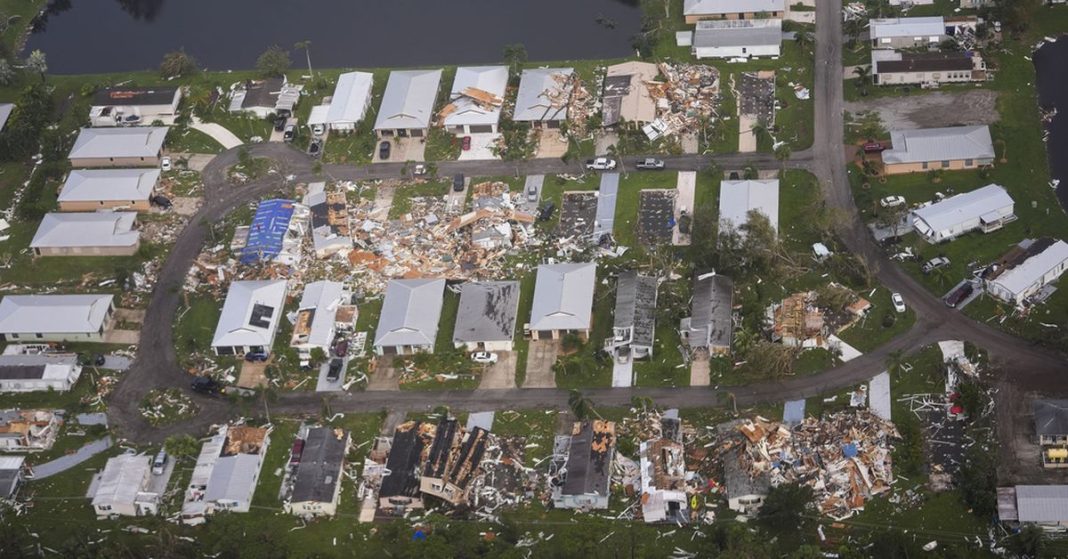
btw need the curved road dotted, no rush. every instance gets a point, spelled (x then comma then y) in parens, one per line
(156, 364)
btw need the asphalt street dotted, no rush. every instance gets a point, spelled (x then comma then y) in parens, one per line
(156, 363)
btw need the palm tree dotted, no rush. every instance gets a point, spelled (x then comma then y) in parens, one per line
(306, 47)
(515, 55)
(895, 360)
(863, 72)
(852, 28)
(38, 62)
(581, 406)
(803, 39)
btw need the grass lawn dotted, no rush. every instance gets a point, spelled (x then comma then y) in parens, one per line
(402, 199)
(538, 427)
(195, 324)
(191, 141)
(869, 333)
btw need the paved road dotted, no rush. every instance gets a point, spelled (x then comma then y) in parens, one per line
(156, 363)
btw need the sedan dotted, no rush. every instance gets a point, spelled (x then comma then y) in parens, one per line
(165, 164)
(255, 356)
(959, 295)
(318, 130)
(892, 201)
(899, 302)
(383, 151)
(650, 164)
(600, 164)
(458, 183)
(484, 357)
(934, 264)
(465, 143)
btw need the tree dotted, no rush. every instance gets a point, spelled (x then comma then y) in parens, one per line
(177, 63)
(1027, 543)
(895, 360)
(863, 73)
(783, 153)
(581, 405)
(784, 507)
(306, 47)
(318, 355)
(852, 28)
(273, 62)
(515, 55)
(803, 39)
(181, 446)
(7, 73)
(770, 360)
(37, 62)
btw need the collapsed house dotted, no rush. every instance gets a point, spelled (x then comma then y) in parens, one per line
(1027, 272)
(324, 311)
(663, 475)
(486, 317)
(275, 234)
(626, 97)
(34, 372)
(329, 220)
(798, 322)
(226, 473)
(634, 326)
(710, 326)
(544, 96)
(264, 97)
(29, 430)
(316, 487)
(684, 101)
(581, 467)
(122, 488)
(400, 487)
(454, 459)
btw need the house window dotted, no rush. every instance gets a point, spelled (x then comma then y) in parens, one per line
(969, 162)
(924, 164)
(945, 163)
(743, 50)
(39, 335)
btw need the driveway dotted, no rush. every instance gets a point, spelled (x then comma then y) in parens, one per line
(551, 144)
(402, 150)
(685, 186)
(700, 372)
(481, 148)
(385, 376)
(540, 360)
(500, 374)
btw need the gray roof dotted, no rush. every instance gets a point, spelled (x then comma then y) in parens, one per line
(250, 314)
(1035, 269)
(964, 207)
(544, 94)
(1042, 503)
(37, 366)
(563, 296)
(136, 141)
(410, 312)
(737, 33)
(606, 204)
(122, 478)
(351, 97)
(324, 297)
(73, 230)
(92, 185)
(487, 312)
(319, 471)
(58, 314)
(233, 478)
(713, 297)
(1051, 417)
(737, 198)
(589, 470)
(636, 306)
(408, 102)
(491, 79)
(940, 144)
(5, 112)
(907, 27)
(738, 481)
(703, 7)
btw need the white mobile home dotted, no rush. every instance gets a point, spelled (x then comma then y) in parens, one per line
(985, 209)
(55, 318)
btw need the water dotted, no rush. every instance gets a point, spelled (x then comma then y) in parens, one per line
(1051, 65)
(96, 36)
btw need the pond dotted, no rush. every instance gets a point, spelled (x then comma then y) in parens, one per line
(96, 36)
(1051, 65)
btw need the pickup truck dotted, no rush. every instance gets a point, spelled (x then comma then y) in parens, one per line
(600, 164)
(650, 164)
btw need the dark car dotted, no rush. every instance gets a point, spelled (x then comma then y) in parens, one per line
(650, 164)
(256, 356)
(206, 385)
(383, 150)
(545, 213)
(99, 360)
(315, 149)
(341, 348)
(280, 123)
(296, 452)
(733, 176)
(465, 144)
(959, 295)
(334, 372)
(458, 183)
(290, 133)
(873, 147)
(161, 201)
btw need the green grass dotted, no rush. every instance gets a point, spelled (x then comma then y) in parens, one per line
(402, 198)
(192, 141)
(538, 427)
(868, 333)
(194, 326)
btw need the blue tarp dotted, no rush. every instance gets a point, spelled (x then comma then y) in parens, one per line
(849, 450)
(267, 231)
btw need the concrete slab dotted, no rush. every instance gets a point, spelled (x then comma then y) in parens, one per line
(383, 201)
(130, 315)
(700, 372)
(537, 182)
(92, 419)
(879, 395)
(793, 412)
(603, 140)
(324, 385)
(122, 337)
(540, 360)
(500, 374)
(685, 188)
(622, 373)
(481, 148)
(217, 132)
(116, 362)
(199, 161)
(550, 144)
(483, 419)
(253, 375)
(691, 144)
(385, 377)
(186, 205)
(747, 142)
(847, 352)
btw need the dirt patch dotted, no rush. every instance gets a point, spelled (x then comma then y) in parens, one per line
(932, 110)
(1020, 459)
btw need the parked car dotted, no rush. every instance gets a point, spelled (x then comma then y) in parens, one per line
(892, 201)
(206, 385)
(458, 183)
(280, 123)
(296, 451)
(159, 464)
(465, 143)
(545, 212)
(341, 348)
(600, 164)
(383, 150)
(318, 130)
(165, 163)
(958, 295)
(315, 148)
(290, 133)
(650, 164)
(873, 147)
(484, 357)
(899, 302)
(99, 360)
(934, 264)
(734, 176)
(334, 372)
(419, 170)
(256, 356)
(161, 201)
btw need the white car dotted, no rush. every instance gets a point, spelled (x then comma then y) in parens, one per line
(165, 164)
(892, 201)
(899, 303)
(484, 357)
(318, 130)
(600, 164)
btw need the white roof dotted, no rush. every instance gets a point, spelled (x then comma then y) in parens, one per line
(122, 479)
(48, 314)
(962, 208)
(5, 112)
(1042, 503)
(325, 297)
(544, 94)
(704, 7)
(563, 296)
(99, 229)
(410, 312)
(250, 314)
(737, 198)
(53, 366)
(351, 97)
(11, 462)
(92, 185)
(940, 144)
(233, 478)
(408, 102)
(738, 33)
(491, 79)
(135, 141)
(319, 115)
(907, 27)
(1034, 269)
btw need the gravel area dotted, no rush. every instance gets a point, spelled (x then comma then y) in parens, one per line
(932, 110)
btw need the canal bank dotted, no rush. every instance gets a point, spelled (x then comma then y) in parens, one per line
(1051, 68)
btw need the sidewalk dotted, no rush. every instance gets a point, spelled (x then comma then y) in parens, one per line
(226, 138)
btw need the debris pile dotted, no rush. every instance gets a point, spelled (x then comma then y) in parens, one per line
(689, 96)
(844, 457)
(161, 407)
